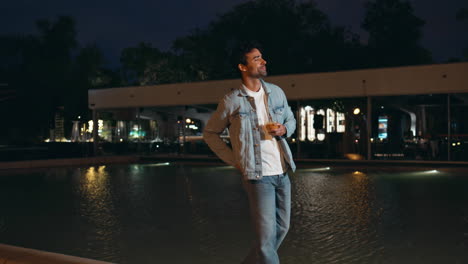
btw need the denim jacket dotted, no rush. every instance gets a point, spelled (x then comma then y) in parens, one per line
(237, 112)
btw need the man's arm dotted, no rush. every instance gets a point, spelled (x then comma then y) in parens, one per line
(289, 120)
(212, 132)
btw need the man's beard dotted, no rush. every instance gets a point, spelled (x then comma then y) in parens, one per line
(262, 73)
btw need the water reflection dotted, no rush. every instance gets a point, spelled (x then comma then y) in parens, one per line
(334, 218)
(198, 214)
(98, 213)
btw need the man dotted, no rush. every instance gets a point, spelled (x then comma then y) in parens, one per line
(262, 155)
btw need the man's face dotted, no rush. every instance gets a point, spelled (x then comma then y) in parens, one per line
(256, 65)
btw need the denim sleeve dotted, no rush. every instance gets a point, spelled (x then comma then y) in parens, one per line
(289, 120)
(212, 132)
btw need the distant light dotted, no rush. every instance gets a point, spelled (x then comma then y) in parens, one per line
(381, 107)
(358, 173)
(454, 144)
(121, 139)
(318, 169)
(424, 173)
(354, 156)
(90, 126)
(293, 140)
(356, 140)
(188, 120)
(458, 143)
(79, 117)
(158, 164)
(372, 140)
(356, 111)
(321, 136)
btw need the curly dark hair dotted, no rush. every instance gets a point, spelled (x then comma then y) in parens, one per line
(244, 48)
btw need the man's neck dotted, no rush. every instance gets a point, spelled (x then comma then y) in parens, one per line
(252, 84)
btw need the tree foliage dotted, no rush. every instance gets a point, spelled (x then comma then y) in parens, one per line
(296, 37)
(394, 34)
(46, 76)
(145, 65)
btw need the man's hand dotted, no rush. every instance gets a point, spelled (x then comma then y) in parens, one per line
(280, 131)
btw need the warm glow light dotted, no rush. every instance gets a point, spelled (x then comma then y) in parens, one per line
(90, 126)
(310, 121)
(356, 111)
(188, 121)
(302, 127)
(330, 120)
(321, 137)
(354, 156)
(340, 122)
(293, 140)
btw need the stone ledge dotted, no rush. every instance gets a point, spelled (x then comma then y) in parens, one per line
(18, 255)
(29, 164)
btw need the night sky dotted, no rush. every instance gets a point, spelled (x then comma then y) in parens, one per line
(115, 25)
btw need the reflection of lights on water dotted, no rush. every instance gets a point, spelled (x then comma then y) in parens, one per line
(424, 173)
(158, 164)
(101, 169)
(318, 169)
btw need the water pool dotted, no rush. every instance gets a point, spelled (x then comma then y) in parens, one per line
(176, 213)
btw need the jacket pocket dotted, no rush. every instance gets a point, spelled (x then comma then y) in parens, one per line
(278, 112)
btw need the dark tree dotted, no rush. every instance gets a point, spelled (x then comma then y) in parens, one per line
(296, 37)
(394, 34)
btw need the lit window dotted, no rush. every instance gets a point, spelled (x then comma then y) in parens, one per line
(340, 122)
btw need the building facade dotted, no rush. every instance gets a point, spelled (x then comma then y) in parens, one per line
(403, 113)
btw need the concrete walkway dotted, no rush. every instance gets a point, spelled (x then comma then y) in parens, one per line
(19, 255)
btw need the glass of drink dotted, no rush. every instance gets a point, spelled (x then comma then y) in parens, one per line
(271, 126)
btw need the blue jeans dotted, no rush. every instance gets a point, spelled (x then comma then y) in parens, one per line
(270, 209)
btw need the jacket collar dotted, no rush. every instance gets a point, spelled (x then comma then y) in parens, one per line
(265, 86)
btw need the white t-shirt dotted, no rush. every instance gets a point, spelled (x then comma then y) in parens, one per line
(272, 161)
